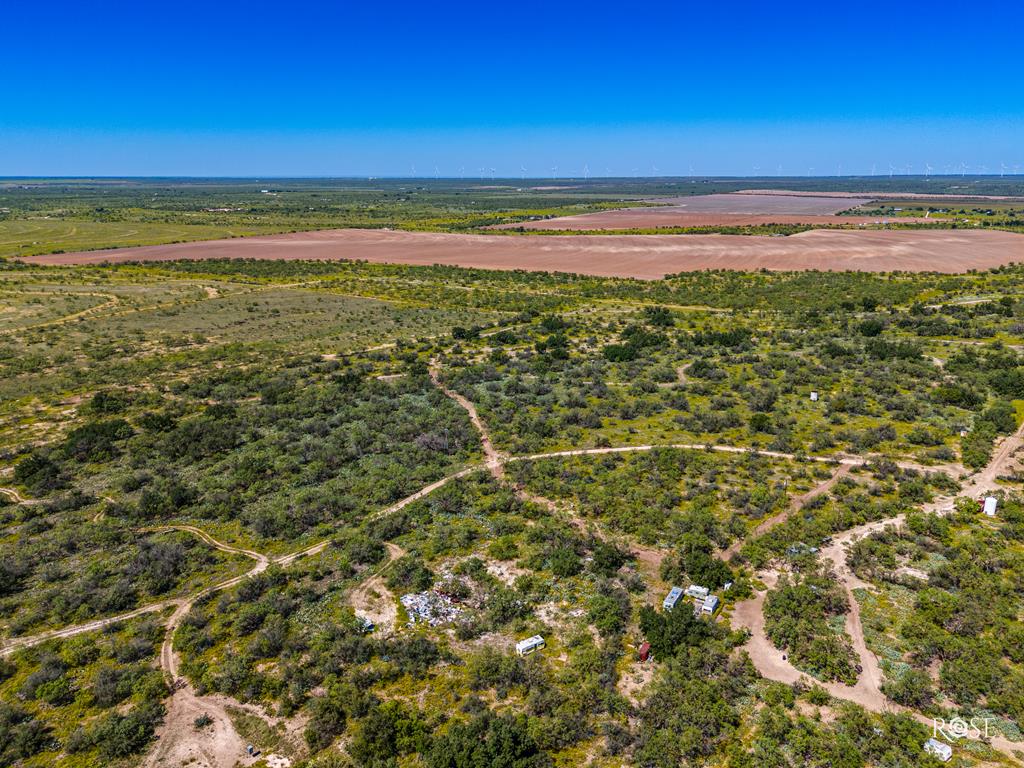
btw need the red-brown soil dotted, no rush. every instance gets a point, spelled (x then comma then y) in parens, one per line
(730, 210)
(641, 256)
(671, 216)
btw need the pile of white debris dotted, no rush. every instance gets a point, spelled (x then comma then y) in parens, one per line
(430, 607)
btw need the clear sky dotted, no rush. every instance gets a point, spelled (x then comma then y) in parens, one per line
(378, 88)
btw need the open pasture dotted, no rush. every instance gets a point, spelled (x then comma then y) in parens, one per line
(44, 235)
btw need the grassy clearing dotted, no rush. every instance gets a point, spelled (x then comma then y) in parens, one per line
(35, 236)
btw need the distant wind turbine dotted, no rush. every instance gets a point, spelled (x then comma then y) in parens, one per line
(522, 170)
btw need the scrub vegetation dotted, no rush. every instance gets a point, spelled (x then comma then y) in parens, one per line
(262, 459)
(40, 216)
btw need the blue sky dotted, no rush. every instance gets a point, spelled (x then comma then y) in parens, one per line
(343, 88)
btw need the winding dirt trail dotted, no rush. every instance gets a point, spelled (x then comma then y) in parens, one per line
(750, 613)
(28, 641)
(850, 461)
(180, 603)
(17, 498)
(493, 458)
(112, 300)
(178, 741)
(220, 746)
(259, 558)
(866, 692)
(797, 504)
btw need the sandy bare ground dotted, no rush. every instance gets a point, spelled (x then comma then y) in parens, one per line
(178, 741)
(373, 600)
(711, 210)
(641, 256)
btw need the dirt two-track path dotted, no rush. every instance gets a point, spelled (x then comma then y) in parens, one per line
(867, 690)
(219, 745)
(749, 614)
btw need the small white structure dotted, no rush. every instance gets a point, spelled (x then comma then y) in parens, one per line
(814, 397)
(989, 505)
(697, 592)
(940, 749)
(727, 586)
(672, 598)
(710, 604)
(529, 645)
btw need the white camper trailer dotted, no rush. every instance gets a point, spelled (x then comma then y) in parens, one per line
(697, 592)
(940, 749)
(672, 598)
(529, 645)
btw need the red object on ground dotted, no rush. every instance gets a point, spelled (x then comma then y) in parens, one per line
(645, 651)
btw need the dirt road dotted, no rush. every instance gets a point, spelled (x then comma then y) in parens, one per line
(798, 503)
(493, 458)
(17, 498)
(867, 691)
(220, 746)
(28, 641)
(848, 461)
(209, 540)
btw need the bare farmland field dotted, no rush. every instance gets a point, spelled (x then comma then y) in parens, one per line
(739, 210)
(818, 205)
(673, 216)
(641, 256)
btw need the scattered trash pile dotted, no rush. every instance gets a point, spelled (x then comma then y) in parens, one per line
(431, 607)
